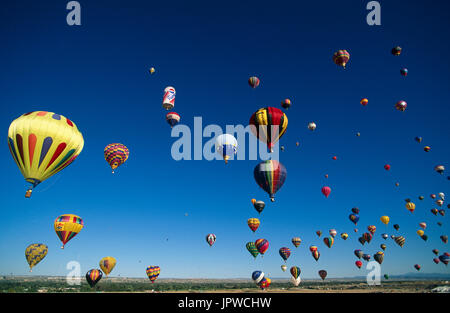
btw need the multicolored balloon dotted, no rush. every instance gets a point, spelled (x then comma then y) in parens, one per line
(296, 241)
(270, 176)
(67, 226)
(379, 257)
(401, 105)
(364, 101)
(332, 232)
(404, 72)
(372, 229)
(210, 239)
(173, 118)
(358, 253)
(34, 254)
(295, 271)
(328, 241)
(417, 267)
(341, 57)
(396, 51)
(268, 125)
(286, 104)
(285, 253)
(284, 267)
(354, 218)
(93, 277)
(253, 223)
(344, 236)
(410, 206)
(400, 240)
(252, 249)
(153, 272)
(316, 255)
(116, 154)
(262, 245)
(42, 144)
(253, 81)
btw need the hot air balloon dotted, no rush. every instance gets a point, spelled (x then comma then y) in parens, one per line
(404, 72)
(270, 176)
(442, 212)
(252, 249)
(421, 197)
(297, 143)
(366, 257)
(436, 260)
(152, 70)
(423, 225)
(372, 229)
(107, 264)
(426, 148)
(210, 239)
(313, 248)
(341, 57)
(173, 118)
(259, 206)
(319, 233)
(401, 105)
(34, 254)
(358, 253)
(253, 81)
(362, 240)
(358, 134)
(433, 196)
(169, 98)
(396, 51)
(385, 236)
(358, 264)
(334, 158)
(439, 223)
(385, 220)
(316, 255)
(444, 259)
(383, 246)
(444, 238)
(364, 101)
(328, 241)
(43, 143)
(344, 236)
(417, 267)
(253, 223)
(285, 253)
(312, 126)
(387, 167)
(379, 257)
(286, 104)
(67, 226)
(439, 202)
(354, 218)
(367, 237)
(326, 191)
(295, 271)
(268, 125)
(436, 251)
(418, 139)
(434, 211)
(355, 210)
(93, 277)
(400, 240)
(323, 274)
(386, 276)
(262, 245)
(284, 267)
(326, 175)
(332, 232)
(116, 154)
(424, 237)
(153, 272)
(257, 276)
(410, 206)
(296, 241)
(226, 146)
(265, 283)
(441, 195)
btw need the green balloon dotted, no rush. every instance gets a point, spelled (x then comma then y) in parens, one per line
(252, 249)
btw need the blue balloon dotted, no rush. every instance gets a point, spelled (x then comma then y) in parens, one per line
(257, 276)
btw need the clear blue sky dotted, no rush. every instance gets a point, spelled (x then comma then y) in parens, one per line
(97, 75)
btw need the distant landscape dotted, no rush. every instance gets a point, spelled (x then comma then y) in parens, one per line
(56, 284)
